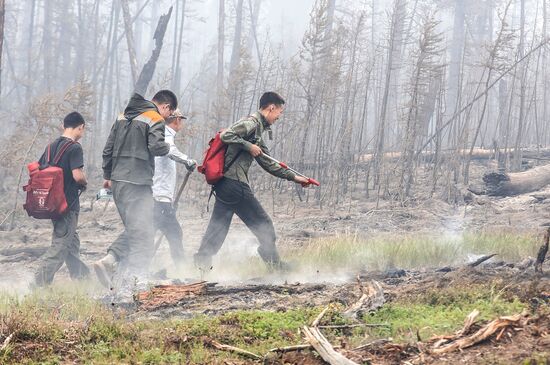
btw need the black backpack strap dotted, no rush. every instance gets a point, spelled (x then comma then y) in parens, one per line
(62, 151)
(58, 154)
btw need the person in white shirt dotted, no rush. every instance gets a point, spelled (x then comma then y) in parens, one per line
(164, 186)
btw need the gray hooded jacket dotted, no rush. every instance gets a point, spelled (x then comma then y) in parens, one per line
(133, 159)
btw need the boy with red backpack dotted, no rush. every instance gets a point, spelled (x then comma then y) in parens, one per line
(245, 143)
(66, 153)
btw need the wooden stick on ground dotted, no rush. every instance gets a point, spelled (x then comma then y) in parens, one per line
(324, 348)
(341, 326)
(378, 342)
(6, 342)
(233, 349)
(316, 321)
(481, 260)
(542, 252)
(291, 348)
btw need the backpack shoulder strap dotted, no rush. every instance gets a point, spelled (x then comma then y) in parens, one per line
(248, 138)
(61, 152)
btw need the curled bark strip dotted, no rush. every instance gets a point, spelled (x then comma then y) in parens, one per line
(481, 335)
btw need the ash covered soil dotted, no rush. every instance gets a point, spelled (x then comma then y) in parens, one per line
(298, 222)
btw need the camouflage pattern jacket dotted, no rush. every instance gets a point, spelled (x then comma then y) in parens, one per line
(240, 137)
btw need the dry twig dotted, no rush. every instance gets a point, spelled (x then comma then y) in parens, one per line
(291, 348)
(316, 321)
(233, 349)
(324, 348)
(6, 342)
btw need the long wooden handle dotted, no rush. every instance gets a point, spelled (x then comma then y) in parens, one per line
(182, 186)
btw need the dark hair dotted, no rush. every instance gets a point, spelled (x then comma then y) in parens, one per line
(166, 97)
(269, 98)
(73, 120)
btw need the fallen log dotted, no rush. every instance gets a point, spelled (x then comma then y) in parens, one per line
(543, 250)
(510, 184)
(163, 295)
(477, 154)
(324, 348)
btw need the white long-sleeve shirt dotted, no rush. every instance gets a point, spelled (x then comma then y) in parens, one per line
(164, 180)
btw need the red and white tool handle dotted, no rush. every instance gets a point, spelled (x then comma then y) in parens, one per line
(310, 181)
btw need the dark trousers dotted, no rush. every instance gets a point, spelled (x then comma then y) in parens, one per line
(134, 247)
(65, 248)
(166, 222)
(234, 197)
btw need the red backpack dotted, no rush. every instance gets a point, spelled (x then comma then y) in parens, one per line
(45, 190)
(214, 160)
(213, 164)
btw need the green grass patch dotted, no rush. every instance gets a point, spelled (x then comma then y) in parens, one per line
(355, 251)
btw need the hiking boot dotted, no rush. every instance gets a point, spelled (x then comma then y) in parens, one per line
(104, 270)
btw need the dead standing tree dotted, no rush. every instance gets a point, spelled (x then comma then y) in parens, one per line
(149, 68)
(130, 39)
(496, 62)
(394, 51)
(427, 67)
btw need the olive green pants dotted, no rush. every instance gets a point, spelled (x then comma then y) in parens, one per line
(65, 248)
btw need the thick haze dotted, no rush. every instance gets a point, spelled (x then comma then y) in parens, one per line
(363, 80)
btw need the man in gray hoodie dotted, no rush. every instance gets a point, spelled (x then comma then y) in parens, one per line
(128, 168)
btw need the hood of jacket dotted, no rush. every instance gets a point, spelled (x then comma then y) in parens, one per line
(137, 106)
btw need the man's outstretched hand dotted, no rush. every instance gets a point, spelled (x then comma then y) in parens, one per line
(107, 184)
(301, 180)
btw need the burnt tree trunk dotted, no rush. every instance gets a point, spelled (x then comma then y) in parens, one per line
(146, 74)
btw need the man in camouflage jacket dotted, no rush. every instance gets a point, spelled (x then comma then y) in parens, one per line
(233, 194)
